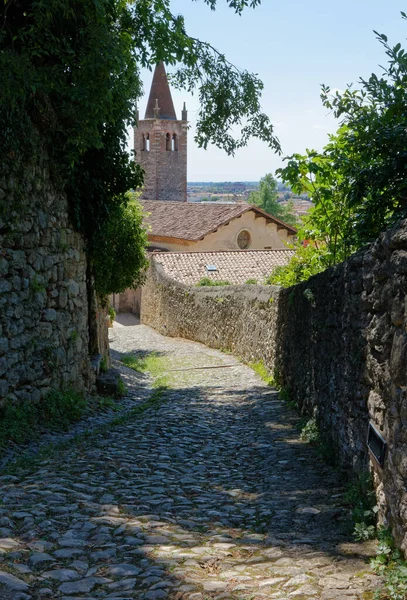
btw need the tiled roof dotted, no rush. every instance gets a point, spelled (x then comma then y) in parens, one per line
(193, 220)
(235, 266)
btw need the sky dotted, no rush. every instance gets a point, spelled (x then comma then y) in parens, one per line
(294, 47)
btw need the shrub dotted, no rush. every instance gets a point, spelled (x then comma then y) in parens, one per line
(206, 281)
(310, 432)
(361, 497)
(391, 566)
(306, 262)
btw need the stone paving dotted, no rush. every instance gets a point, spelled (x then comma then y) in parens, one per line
(209, 494)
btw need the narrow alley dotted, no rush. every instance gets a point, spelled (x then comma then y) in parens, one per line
(208, 494)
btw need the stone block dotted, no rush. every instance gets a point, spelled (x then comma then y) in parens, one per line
(4, 344)
(398, 358)
(4, 266)
(50, 314)
(107, 383)
(4, 388)
(44, 330)
(5, 286)
(399, 261)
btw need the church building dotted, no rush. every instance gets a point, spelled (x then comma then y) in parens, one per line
(241, 241)
(160, 144)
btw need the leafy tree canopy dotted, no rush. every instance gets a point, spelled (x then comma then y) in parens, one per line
(70, 80)
(358, 183)
(330, 223)
(266, 197)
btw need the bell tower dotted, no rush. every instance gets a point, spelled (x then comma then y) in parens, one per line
(160, 144)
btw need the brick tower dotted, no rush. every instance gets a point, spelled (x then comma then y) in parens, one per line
(160, 143)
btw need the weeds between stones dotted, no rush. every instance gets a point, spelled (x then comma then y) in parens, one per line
(21, 423)
(28, 462)
(261, 370)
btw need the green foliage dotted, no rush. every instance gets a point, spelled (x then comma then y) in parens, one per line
(121, 388)
(260, 368)
(112, 313)
(36, 286)
(152, 363)
(251, 282)
(21, 423)
(285, 394)
(59, 409)
(329, 224)
(105, 403)
(118, 250)
(103, 364)
(361, 498)
(266, 198)
(310, 432)
(149, 363)
(307, 261)
(375, 139)
(70, 81)
(277, 377)
(206, 281)
(391, 566)
(358, 183)
(363, 532)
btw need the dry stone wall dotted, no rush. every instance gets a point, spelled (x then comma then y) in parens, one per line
(241, 318)
(44, 292)
(342, 352)
(338, 343)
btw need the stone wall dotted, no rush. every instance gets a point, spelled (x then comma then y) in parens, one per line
(342, 353)
(128, 301)
(337, 341)
(241, 319)
(45, 293)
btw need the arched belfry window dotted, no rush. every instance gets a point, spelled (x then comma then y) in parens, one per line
(168, 142)
(148, 142)
(174, 142)
(143, 142)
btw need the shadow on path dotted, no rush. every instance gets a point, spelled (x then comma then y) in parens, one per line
(209, 494)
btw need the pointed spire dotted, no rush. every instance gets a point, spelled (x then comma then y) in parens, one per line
(160, 95)
(184, 112)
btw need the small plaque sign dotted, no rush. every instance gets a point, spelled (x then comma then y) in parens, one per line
(376, 444)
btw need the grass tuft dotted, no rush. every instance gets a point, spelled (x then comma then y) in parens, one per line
(21, 423)
(260, 369)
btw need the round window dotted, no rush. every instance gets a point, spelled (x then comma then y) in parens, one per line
(243, 239)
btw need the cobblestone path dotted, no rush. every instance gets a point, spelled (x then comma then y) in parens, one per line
(209, 494)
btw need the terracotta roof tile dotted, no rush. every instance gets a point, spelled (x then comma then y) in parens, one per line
(193, 220)
(160, 90)
(235, 266)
